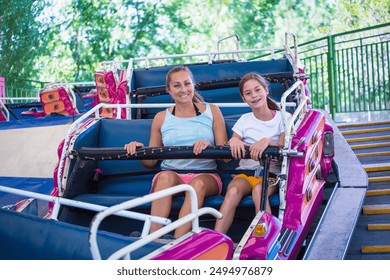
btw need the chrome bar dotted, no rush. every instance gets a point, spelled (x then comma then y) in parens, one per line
(83, 205)
(125, 251)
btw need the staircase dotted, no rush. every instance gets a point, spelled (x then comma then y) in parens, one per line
(371, 144)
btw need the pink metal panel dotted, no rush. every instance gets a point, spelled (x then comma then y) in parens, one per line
(2, 88)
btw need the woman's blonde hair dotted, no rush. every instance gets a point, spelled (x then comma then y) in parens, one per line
(197, 97)
(263, 82)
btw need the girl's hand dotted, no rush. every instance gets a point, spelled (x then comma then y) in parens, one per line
(237, 148)
(132, 147)
(257, 148)
(200, 145)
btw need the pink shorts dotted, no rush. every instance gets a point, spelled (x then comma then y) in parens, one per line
(187, 178)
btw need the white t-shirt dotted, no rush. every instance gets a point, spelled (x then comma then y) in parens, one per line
(251, 130)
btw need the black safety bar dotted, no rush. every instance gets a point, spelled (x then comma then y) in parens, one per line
(167, 152)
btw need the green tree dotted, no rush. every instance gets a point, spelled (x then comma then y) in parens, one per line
(23, 39)
(356, 14)
(52, 40)
(88, 32)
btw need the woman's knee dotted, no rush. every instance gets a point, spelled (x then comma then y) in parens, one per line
(200, 187)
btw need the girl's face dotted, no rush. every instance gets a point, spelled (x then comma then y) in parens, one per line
(181, 87)
(254, 94)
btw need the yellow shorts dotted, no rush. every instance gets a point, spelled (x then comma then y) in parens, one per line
(253, 181)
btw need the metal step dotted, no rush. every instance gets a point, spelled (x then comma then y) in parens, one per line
(368, 146)
(367, 139)
(376, 209)
(363, 124)
(377, 223)
(376, 249)
(376, 167)
(378, 226)
(363, 131)
(373, 154)
(379, 179)
(377, 192)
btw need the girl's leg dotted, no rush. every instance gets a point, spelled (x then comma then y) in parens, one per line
(204, 185)
(162, 207)
(237, 189)
(256, 196)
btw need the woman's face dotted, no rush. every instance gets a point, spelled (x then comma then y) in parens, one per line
(181, 87)
(254, 94)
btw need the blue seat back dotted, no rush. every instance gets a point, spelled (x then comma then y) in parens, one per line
(155, 77)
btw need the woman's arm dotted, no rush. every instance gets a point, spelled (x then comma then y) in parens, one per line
(155, 137)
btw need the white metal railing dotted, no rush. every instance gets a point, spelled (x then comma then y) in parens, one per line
(208, 55)
(147, 237)
(122, 211)
(290, 127)
(24, 95)
(23, 99)
(58, 201)
(293, 54)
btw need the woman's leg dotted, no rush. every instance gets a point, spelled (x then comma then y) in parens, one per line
(204, 185)
(237, 189)
(162, 207)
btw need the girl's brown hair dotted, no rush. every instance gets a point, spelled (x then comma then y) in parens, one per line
(197, 97)
(263, 82)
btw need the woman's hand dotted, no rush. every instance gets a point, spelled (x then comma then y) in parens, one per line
(200, 145)
(257, 148)
(237, 148)
(132, 147)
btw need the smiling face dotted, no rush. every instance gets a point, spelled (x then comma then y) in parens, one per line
(254, 93)
(181, 87)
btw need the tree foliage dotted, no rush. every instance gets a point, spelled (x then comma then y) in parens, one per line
(23, 39)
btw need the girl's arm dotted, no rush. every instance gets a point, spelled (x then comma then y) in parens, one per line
(258, 147)
(237, 146)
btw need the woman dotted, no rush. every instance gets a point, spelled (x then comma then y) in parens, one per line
(258, 129)
(189, 122)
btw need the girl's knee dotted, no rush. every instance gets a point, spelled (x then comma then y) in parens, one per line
(233, 196)
(233, 191)
(257, 189)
